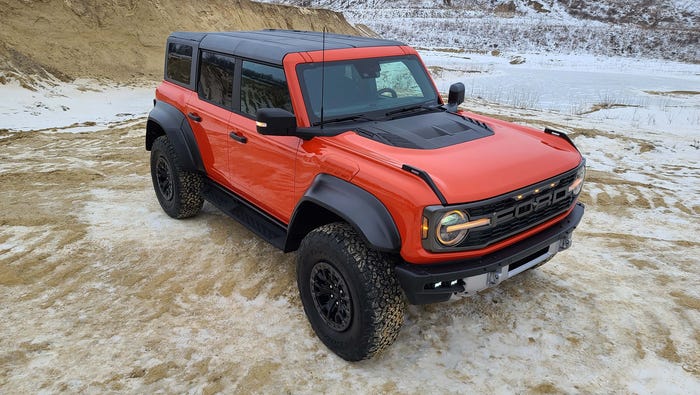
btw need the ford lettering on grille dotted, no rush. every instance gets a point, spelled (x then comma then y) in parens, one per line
(518, 211)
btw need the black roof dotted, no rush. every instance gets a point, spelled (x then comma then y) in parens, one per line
(272, 45)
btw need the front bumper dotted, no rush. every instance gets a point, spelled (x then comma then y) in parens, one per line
(437, 283)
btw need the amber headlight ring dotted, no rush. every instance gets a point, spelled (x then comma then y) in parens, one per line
(449, 230)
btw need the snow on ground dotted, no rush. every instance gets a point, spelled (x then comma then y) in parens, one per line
(80, 106)
(96, 298)
(618, 92)
(665, 29)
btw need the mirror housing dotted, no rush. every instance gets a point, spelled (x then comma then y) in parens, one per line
(275, 122)
(455, 97)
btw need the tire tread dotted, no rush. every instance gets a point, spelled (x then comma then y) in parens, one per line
(386, 307)
(188, 185)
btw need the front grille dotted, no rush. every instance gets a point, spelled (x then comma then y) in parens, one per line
(482, 238)
(502, 203)
(511, 215)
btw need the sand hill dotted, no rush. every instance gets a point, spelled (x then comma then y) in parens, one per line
(123, 40)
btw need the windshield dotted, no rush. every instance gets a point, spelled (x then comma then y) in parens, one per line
(365, 87)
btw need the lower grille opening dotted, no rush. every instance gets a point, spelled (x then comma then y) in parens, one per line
(528, 258)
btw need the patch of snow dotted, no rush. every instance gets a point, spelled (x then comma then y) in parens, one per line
(636, 93)
(80, 106)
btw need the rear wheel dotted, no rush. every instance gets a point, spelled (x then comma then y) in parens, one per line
(178, 191)
(349, 291)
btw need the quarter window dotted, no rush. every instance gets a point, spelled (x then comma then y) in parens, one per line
(216, 79)
(179, 63)
(263, 86)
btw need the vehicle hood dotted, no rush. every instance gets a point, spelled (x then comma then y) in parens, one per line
(507, 158)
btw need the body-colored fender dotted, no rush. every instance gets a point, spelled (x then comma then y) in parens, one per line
(330, 199)
(167, 119)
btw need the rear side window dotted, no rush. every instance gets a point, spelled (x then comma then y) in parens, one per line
(263, 86)
(216, 79)
(179, 63)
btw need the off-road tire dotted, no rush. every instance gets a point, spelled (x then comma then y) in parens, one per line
(376, 300)
(178, 191)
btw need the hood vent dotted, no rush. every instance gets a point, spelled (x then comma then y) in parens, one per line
(425, 131)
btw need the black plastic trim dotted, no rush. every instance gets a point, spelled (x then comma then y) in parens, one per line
(238, 208)
(563, 135)
(413, 277)
(423, 175)
(175, 125)
(350, 203)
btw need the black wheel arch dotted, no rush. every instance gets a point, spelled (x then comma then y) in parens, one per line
(166, 119)
(330, 199)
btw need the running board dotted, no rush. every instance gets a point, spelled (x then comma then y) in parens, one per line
(266, 227)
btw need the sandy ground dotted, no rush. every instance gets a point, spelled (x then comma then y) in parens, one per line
(103, 293)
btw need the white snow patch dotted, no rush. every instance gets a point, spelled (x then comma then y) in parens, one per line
(657, 95)
(80, 106)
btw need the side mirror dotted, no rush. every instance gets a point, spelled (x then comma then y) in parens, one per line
(275, 122)
(455, 97)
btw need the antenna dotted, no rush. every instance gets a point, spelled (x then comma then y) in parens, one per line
(323, 71)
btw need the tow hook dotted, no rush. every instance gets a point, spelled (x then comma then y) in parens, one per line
(494, 277)
(565, 242)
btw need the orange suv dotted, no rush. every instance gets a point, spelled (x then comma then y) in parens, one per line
(341, 148)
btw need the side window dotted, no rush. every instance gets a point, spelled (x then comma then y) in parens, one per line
(179, 63)
(216, 79)
(263, 86)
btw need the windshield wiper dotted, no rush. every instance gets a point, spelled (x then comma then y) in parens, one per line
(343, 119)
(430, 107)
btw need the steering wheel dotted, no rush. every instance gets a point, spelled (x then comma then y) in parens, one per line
(390, 91)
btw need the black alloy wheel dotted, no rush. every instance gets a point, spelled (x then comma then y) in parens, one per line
(164, 176)
(331, 296)
(349, 291)
(178, 191)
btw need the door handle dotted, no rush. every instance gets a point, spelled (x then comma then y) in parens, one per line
(193, 116)
(238, 137)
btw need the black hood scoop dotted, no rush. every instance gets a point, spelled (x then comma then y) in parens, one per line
(425, 131)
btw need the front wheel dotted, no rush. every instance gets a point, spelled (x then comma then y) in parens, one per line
(350, 293)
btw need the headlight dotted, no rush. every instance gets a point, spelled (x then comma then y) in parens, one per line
(448, 233)
(576, 186)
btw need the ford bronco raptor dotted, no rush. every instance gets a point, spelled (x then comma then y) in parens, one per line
(341, 148)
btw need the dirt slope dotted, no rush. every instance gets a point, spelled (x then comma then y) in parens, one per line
(123, 40)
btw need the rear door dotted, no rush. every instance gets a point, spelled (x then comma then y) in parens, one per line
(262, 167)
(209, 112)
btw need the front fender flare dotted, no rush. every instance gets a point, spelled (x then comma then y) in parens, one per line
(350, 203)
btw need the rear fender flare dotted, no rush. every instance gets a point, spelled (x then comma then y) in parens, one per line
(166, 118)
(341, 200)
